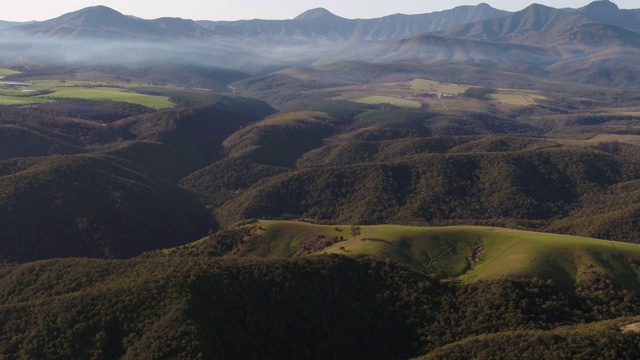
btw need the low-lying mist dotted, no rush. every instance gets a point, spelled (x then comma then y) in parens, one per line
(248, 56)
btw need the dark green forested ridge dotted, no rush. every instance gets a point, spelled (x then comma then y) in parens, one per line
(77, 187)
(534, 189)
(280, 139)
(21, 141)
(162, 306)
(191, 138)
(220, 181)
(91, 205)
(604, 343)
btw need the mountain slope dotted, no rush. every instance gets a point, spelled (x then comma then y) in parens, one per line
(174, 143)
(399, 25)
(519, 26)
(24, 141)
(606, 12)
(436, 189)
(91, 206)
(567, 342)
(181, 26)
(435, 49)
(8, 24)
(321, 24)
(186, 307)
(93, 22)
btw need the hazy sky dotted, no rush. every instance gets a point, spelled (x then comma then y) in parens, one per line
(25, 10)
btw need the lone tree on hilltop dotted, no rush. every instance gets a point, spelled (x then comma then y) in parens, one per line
(355, 231)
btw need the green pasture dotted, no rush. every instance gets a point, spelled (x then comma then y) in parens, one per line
(77, 89)
(52, 84)
(447, 251)
(111, 94)
(375, 99)
(396, 93)
(423, 85)
(9, 91)
(7, 72)
(15, 100)
(517, 99)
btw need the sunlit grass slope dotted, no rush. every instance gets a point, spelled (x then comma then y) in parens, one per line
(470, 253)
(5, 72)
(113, 94)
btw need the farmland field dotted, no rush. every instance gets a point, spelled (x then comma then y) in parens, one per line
(517, 99)
(424, 85)
(440, 97)
(15, 100)
(112, 94)
(47, 90)
(389, 100)
(5, 72)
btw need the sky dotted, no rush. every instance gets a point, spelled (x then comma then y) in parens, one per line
(27, 10)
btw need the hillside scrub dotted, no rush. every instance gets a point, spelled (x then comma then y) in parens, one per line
(534, 188)
(180, 307)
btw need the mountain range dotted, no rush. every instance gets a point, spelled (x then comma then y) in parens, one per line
(543, 38)
(101, 21)
(471, 22)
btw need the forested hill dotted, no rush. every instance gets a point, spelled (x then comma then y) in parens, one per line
(330, 307)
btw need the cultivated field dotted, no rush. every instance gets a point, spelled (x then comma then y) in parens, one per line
(49, 90)
(437, 96)
(6, 72)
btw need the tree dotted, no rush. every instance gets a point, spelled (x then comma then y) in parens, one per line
(355, 231)
(480, 93)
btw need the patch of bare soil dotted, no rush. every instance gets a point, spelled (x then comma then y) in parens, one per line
(631, 328)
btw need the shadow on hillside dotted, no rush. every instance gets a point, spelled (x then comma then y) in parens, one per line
(377, 240)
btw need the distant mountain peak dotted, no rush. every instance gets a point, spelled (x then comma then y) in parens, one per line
(317, 13)
(537, 6)
(484, 6)
(94, 15)
(99, 11)
(95, 22)
(602, 5)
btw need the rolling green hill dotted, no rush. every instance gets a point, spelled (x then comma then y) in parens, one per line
(469, 253)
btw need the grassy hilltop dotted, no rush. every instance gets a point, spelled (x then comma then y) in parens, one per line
(468, 252)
